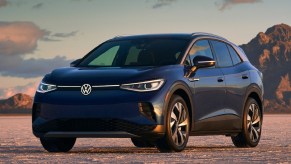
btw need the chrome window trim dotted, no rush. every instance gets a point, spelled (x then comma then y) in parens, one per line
(236, 48)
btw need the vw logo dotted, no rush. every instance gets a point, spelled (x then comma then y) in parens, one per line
(86, 89)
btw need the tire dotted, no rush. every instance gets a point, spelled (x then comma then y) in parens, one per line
(176, 125)
(252, 126)
(137, 142)
(57, 144)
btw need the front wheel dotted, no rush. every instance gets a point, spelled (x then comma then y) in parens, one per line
(177, 126)
(57, 144)
(252, 126)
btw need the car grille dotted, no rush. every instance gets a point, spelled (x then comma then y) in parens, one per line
(96, 125)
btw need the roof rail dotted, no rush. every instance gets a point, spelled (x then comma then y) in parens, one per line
(117, 36)
(205, 33)
(122, 35)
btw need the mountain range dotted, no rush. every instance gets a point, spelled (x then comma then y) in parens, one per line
(19, 103)
(269, 51)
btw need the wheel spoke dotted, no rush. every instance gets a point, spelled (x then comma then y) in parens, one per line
(248, 124)
(253, 122)
(174, 136)
(184, 123)
(173, 116)
(255, 115)
(173, 119)
(172, 123)
(255, 134)
(253, 111)
(249, 117)
(256, 121)
(179, 109)
(183, 115)
(183, 120)
(251, 135)
(250, 109)
(258, 129)
(181, 137)
(248, 121)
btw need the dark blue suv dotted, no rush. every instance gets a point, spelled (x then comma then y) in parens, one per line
(155, 89)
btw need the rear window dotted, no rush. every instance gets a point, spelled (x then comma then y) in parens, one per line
(222, 54)
(234, 56)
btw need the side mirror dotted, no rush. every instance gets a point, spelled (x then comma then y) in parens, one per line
(74, 63)
(203, 61)
(200, 62)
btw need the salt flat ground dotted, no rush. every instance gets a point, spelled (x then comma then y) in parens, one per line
(18, 145)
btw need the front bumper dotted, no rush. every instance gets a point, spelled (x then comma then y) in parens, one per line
(95, 128)
(119, 119)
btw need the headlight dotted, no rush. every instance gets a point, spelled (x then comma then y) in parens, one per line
(144, 86)
(43, 87)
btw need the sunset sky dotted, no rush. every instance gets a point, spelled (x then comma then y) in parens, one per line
(37, 36)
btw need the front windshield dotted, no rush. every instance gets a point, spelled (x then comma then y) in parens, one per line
(136, 52)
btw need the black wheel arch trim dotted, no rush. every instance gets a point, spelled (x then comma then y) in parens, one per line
(254, 88)
(179, 85)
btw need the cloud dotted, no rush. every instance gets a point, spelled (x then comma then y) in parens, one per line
(16, 66)
(80, 0)
(65, 35)
(19, 37)
(3, 3)
(37, 6)
(162, 3)
(28, 89)
(49, 39)
(229, 3)
(49, 36)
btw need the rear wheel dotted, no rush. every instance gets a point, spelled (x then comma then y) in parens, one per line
(252, 126)
(57, 144)
(141, 143)
(177, 126)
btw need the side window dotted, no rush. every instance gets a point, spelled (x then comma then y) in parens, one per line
(234, 56)
(106, 58)
(222, 54)
(201, 48)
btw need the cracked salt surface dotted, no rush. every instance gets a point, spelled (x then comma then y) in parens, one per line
(17, 144)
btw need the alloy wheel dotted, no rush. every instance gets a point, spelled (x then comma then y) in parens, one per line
(179, 124)
(254, 122)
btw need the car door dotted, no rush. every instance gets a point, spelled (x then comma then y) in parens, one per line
(209, 92)
(236, 80)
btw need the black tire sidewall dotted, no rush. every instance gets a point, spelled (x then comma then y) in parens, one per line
(58, 144)
(140, 142)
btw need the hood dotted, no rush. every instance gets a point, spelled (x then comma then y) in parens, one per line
(96, 76)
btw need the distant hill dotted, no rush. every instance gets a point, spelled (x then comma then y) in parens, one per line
(19, 103)
(270, 52)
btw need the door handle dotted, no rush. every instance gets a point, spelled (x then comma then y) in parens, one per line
(193, 79)
(244, 76)
(220, 79)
